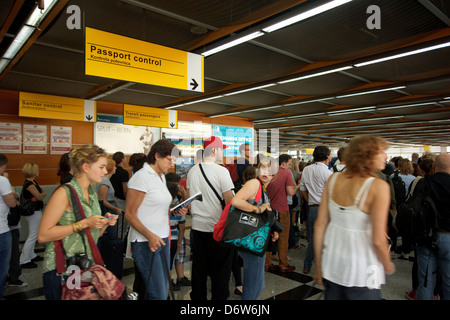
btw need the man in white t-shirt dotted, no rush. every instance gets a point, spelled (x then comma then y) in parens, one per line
(314, 178)
(7, 200)
(209, 257)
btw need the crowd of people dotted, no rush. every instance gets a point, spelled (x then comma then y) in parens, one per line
(347, 205)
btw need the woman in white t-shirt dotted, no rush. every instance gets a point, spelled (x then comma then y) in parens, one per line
(147, 212)
(350, 240)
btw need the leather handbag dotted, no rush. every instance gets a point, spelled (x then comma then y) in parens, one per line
(26, 206)
(96, 282)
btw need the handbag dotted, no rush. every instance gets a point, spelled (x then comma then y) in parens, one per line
(14, 216)
(245, 231)
(26, 206)
(220, 225)
(96, 282)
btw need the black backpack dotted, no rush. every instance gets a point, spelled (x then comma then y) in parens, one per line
(399, 189)
(416, 218)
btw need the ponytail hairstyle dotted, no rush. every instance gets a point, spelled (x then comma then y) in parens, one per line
(89, 153)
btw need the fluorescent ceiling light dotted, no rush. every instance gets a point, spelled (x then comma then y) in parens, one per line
(305, 15)
(315, 75)
(19, 40)
(401, 55)
(233, 43)
(350, 111)
(369, 92)
(307, 115)
(32, 23)
(405, 106)
(309, 101)
(269, 120)
(249, 89)
(438, 121)
(381, 118)
(336, 122)
(38, 15)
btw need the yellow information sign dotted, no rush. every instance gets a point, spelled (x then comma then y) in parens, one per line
(113, 56)
(55, 107)
(150, 117)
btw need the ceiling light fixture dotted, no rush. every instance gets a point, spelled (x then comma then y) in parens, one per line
(249, 89)
(233, 43)
(369, 92)
(305, 15)
(315, 74)
(350, 111)
(405, 106)
(279, 25)
(405, 54)
(33, 22)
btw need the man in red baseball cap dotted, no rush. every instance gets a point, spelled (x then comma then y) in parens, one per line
(209, 256)
(214, 142)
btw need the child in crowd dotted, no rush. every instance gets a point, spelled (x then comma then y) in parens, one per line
(177, 228)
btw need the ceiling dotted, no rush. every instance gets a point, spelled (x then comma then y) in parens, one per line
(311, 80)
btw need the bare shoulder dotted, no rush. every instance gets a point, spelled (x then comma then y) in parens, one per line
(59, 194)
(380, 185)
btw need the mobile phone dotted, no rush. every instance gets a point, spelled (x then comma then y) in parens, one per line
(112, 217)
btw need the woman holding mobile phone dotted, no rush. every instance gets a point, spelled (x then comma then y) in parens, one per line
(59, 222)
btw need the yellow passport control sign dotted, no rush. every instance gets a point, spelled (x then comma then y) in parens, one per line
(113, 56)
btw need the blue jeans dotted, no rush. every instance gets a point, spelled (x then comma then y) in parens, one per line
(312, 216)
(158, 284)
(428, 264)
(52, 285)
(253, 275)
(5, 257)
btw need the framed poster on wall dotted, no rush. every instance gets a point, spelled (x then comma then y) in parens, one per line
(34, 139)
(129, 139)
(60, 139)
(10, 137)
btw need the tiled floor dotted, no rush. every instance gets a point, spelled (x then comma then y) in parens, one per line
(290, 286)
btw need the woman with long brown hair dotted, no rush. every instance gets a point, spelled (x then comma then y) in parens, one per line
(350, 240)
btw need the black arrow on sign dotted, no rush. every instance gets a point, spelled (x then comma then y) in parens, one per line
(172, 124)
(194, 84)
(89, 117)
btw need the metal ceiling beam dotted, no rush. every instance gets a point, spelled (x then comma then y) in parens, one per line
(53, 14)
(171, 15)
(436, 11)
(10, 18)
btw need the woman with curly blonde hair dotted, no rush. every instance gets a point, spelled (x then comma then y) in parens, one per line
(350, 241)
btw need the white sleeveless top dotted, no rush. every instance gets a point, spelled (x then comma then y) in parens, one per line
(348, 255)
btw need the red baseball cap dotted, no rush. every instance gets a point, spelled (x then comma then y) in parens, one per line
(214, 142)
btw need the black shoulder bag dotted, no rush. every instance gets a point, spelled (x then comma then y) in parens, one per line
(222, 202)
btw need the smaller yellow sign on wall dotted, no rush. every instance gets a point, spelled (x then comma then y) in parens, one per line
(54, 107)
(149, 117)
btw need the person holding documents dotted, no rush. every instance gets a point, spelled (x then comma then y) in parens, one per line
(147, 212)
